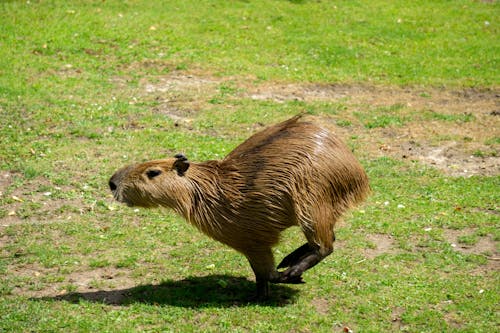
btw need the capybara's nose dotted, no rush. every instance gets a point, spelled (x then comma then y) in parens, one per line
(112, 185)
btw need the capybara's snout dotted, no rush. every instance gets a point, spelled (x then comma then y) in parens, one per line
(112, 185)
(115, 181)
(118, 177)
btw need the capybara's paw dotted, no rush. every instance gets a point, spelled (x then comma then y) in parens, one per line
(293, 258)
(289, 277)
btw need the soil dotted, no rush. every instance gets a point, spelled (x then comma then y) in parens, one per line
(38, 201)
(103, 279)
(321, 305)
(485, 246)
(382, 244)
(458, 148)
(6, 179)
(397, 321)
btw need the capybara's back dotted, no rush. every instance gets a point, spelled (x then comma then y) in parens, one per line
(292, 173)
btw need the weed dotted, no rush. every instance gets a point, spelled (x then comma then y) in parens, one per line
(383, 117)
(344, 123)
(98, 263)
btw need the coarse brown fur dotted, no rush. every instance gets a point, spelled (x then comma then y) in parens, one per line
(292, 173)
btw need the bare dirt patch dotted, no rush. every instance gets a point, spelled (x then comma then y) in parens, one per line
(463, 142)
(396, 317)
(455, 131)
(101, 278)
(467, 100)
(485, 245)
(381, 244)
(35, 277)
(321, 305)
(179, 95)
(454, 320)
(38, 200)
(6, 179)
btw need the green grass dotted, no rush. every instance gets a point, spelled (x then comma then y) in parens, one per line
(437, 43)
(73, 110)
(382, 117)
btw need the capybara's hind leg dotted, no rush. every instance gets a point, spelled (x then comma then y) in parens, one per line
(295, 256)
(294, 273)
(320, 244)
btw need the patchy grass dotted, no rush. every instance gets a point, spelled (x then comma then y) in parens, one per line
(88, 87)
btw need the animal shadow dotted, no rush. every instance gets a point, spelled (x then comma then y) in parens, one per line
(192, 292)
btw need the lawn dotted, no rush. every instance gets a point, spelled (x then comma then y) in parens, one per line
(89, 86)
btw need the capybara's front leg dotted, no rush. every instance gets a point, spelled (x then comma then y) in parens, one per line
(262, 262)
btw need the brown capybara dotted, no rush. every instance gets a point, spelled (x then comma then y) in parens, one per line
(294, 173)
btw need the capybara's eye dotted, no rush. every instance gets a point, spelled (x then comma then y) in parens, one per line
(153, 173)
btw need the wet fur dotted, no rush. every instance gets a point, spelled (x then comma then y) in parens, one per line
(292, 173)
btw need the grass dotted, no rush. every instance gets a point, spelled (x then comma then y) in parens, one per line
(73, 110)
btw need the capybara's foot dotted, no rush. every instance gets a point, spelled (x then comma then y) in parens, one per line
(293, 280)
(294, 257)
(262, 290)
(289, 276)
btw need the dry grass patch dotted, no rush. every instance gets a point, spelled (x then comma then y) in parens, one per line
(456, 131)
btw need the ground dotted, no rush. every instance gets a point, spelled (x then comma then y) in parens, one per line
(451, 130)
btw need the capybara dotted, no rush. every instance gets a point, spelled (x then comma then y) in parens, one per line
(294, 173)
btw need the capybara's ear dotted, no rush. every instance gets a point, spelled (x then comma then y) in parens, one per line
(181, 164)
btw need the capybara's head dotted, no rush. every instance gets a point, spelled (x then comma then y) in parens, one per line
(152, 183)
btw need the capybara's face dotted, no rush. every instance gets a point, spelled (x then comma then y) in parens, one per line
(150, 184)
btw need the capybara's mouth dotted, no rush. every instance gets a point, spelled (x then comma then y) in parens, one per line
(118, 197)
(128, 203)
(124, 201)
(131, 203)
